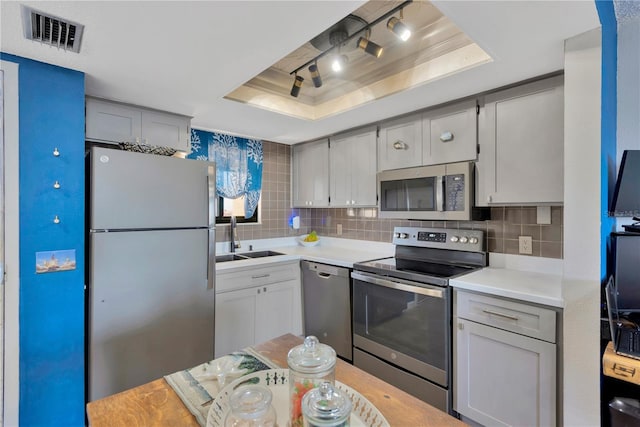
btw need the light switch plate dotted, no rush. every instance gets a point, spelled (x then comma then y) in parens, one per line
(339, 230)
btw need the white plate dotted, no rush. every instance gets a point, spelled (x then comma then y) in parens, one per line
(364, 414)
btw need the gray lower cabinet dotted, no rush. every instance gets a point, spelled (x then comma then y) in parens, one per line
(108, 121)
(521, 139)
(256, 304)
(504, 361)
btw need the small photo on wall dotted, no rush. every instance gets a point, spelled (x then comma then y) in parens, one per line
(52, 261)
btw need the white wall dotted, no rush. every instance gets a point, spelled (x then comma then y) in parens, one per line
(581, 328)
(628, 118)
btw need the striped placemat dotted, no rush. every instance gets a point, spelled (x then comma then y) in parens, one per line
(198, 386)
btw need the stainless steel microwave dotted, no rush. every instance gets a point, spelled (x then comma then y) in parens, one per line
(440, 192)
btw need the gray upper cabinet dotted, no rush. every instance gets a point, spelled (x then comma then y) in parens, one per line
(310, 174)
(521, 138)
(108, 121)
(400, 143)
(352, 163)
(450, 134)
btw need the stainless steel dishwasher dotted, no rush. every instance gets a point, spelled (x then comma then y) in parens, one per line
(327, 305)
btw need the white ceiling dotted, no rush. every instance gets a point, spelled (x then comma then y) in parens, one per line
(184, 56)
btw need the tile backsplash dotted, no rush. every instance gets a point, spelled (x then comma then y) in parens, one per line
(502, 231)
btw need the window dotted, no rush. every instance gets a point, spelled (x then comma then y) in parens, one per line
(228, 207)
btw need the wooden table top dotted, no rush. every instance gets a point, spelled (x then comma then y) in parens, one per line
(156, 404)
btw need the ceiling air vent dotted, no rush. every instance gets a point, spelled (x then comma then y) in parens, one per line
(51, 30)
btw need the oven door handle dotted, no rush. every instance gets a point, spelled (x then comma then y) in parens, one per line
(401, 286)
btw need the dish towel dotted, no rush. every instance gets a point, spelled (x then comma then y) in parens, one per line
(198, 386)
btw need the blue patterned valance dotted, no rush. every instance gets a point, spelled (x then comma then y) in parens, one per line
(238, 164)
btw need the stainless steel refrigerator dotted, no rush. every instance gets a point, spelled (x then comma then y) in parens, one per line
(151, 295)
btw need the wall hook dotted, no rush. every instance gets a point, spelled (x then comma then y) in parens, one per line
(56, 152)
(56, 185)
(56, 220)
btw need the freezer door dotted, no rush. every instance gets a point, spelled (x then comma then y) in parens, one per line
(150, 310)
(135, 190)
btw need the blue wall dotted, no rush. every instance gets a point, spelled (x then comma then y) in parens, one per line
(52, 304)
(609, 107)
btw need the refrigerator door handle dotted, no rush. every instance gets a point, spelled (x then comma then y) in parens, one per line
(211, 255)
(211, 189)
(211, 259)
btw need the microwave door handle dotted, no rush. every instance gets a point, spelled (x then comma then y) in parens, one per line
(440, 193)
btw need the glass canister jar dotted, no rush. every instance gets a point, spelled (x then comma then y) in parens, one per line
(310, 365)
(251, 407)
(325, 406)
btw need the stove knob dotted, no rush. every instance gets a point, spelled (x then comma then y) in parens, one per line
(396, 235)
(473, 240)
(464, 239)
(454, 239)
(403, 235)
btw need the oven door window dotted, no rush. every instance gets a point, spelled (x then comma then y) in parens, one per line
(417, 194)
(407, 322)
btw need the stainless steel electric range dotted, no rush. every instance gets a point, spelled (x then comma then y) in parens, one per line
(402, 309)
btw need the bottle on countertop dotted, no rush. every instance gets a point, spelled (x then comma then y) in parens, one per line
(251, 407)
(325, 406)
(310, 365)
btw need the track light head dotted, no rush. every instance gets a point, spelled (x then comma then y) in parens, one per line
(315, 75)
(370, 47)
(339, 63)
(399, 29)
(297, 84)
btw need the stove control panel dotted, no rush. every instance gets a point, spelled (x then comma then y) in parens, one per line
(447, 238)
(427, 236)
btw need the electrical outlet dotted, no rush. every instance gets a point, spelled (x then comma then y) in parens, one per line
(525, 245)
(339, 230)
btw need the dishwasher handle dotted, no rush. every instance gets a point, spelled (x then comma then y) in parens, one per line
(325, 270)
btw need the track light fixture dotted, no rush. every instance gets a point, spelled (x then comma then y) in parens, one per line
(340, 34)
(399, 29)
(315, 75)
(370, 47)
(297, 84)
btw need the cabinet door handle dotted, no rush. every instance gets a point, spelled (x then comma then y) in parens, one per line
(495, 313)
(446, 136)
(399, 145)
(260, 276)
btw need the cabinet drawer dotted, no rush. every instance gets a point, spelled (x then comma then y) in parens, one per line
(250, 277)
(532, 321)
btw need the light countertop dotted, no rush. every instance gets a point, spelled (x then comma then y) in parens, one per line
(330, 250)
(528, 286)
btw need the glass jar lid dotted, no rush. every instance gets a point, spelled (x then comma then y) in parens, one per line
(311, 357)
(250, 402)
(325, 405)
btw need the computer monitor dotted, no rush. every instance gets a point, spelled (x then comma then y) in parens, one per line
(627, 271)
(626, 195)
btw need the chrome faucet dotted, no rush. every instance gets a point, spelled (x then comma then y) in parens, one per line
(235, 243)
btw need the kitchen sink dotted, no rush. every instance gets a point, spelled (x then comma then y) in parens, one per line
(260, 254)
(229, 257)
(245, 255)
